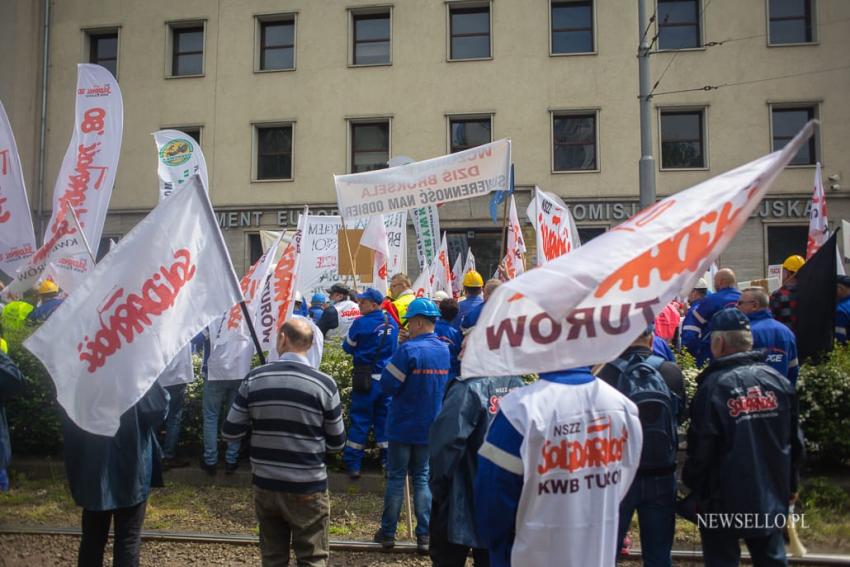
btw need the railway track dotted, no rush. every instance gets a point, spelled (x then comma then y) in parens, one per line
(362, 546)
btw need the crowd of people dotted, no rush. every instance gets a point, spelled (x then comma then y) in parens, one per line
(546, 473)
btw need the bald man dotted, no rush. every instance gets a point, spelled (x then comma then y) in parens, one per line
(696, 335)
(296, 418)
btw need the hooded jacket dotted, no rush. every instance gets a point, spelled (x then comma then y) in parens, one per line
(744, 442)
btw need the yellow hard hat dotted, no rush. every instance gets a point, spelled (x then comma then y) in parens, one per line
(47, 286)
(793, 263)
(473, 279)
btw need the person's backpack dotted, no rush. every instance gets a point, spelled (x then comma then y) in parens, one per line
(640, 380)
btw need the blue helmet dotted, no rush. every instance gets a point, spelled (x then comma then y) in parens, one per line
(423, 307)
(319, 298)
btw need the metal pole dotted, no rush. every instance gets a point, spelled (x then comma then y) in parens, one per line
(43, 123)
(253, 332)
(647, 162)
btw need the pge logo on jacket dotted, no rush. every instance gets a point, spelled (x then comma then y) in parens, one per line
(753, 402)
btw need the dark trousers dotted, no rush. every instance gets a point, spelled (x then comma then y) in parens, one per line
(299, 521)
(443, 552)
(721, 548)
(128, 536)
(654, 500)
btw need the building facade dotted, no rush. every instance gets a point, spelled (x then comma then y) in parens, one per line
(282, 94)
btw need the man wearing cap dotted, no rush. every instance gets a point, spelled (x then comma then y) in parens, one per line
(48, 301)
(770, 335)
(337, 318)
(842, 309)
(416, 379)
(371, 341)
(744, 447)
(783, 301)
(695, 337)
(473, 289)
(317, 306)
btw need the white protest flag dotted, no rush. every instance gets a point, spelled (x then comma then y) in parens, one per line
(457, 277)
(554, 225)
(179, 370)
(845, 237)
(396, 226)
(375, 238)
(164, 282)
(91, 160)
(268, 238)
(469, 265)
(422, 287)
(441, 272)
(17, 237)
(426, 224)
(231, 346)
(819, 222)
(65, 259)
(515, 249)
(284, 281)
(179, 157)
(587, 307)
(469, 173)
(320, 249)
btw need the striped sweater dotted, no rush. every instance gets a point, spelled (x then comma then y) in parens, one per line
(295, 418)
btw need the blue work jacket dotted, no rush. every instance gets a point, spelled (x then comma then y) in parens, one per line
(778, 341)
(364, 340)
(453, 339)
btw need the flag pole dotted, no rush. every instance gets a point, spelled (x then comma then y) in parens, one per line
(253, 332)
(505, 217)
(350, 257)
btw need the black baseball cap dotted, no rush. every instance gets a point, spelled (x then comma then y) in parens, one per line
(339, 288)
(730, 319)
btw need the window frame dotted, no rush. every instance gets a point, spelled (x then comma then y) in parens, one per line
(815, 139)
(674, 109)
(566, 112)
(777, 223)
(452, 5)
(271, 18)
(814, 23)
(90, 32)
(366, 11)
(248, 260)
(350, 122)
(466, 116)
(184, 127)
(594, 51)
(177, 25)
(700, 30)
(256, 126)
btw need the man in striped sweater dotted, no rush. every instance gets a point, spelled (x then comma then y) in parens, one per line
(295, 416)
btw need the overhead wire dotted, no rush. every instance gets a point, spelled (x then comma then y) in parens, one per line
(752, 81)
(702, 11)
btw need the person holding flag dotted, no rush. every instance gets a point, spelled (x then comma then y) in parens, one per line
(48, 301)
(371, 341)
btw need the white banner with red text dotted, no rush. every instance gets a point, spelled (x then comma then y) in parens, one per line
(587, 307)
(283, 283)
(462, 175)
(179, 157)
(17, 237)
(320, 249)
(554, 225)
(441, 271)
(88, 170)
(375, 238)
(164, 282)
(396, 227)
(514, 261)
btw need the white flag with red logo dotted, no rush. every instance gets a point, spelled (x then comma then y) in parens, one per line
(164, 282)
(587, 307)
(514, 261)
(457, 277)
(284, 281)
(66, 259)
(818, 221)
(469, 265)
(179, 157)
(88, 169)
(17, 237)
(554, 225)
(441, 272)
(375, 238)
(422, 286)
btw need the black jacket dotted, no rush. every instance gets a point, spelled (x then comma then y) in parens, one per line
(744, 442)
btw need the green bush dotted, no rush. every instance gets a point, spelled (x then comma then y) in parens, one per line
(824, 410)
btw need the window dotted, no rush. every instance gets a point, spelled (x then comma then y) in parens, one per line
(370, 145)
(274, 152)
(103, 50)
(682, 139)
(255, 248)
(572, 27)
(470, 32)
(187, 51)
(783, 241)
(790, 21)
(106, 244)
(574, 142)
(588, 233)
(371, 36)
(786, 122)
(193, 132)
(485, 245)
(277, 44)
(465, 133)
(679, 24)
